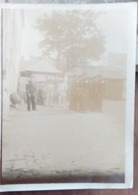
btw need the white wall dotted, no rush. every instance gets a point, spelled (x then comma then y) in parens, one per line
(12, 27)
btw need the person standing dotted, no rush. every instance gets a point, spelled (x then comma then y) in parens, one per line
(30, 93)
(100, 93)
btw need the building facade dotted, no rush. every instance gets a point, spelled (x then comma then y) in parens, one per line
(12, 24)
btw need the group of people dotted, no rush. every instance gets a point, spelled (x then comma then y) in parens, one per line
(87, 94)
(82, 95)
(45, 94)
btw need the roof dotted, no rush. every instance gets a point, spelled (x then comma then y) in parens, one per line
(43, 66)
(110, 72)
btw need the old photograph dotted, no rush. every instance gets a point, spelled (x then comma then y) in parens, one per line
(67, 76)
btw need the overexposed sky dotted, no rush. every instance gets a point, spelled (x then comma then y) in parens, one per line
(31, 37)
(113, 24)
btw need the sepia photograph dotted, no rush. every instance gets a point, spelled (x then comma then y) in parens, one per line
(68, 79)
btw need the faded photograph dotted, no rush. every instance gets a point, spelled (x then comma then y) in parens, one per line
(64, 95)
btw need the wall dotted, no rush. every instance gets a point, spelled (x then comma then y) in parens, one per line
(12, 32)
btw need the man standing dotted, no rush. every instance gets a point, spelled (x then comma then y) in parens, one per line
(30, 92)
(100, 93)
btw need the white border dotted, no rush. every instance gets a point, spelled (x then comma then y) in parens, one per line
(130, 86)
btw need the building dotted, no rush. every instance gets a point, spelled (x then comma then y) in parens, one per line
(13, 21)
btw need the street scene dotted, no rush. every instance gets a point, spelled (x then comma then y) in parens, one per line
(64, 96)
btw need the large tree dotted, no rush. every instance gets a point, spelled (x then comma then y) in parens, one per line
(72, 36)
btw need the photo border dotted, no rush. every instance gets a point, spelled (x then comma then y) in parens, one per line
(129, 122)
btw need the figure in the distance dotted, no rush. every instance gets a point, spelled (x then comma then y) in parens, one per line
(30, 93)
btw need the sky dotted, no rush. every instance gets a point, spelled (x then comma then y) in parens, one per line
(113, 24)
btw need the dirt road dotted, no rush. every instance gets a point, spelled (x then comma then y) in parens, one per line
(58, 141)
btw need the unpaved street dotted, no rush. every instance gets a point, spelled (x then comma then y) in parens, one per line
(59, 141)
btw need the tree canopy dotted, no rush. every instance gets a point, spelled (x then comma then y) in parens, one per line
(72, 37)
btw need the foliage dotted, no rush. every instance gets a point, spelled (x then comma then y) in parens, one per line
(72, 37)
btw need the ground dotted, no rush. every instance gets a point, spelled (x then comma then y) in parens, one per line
(57, 141)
